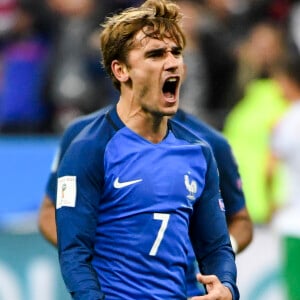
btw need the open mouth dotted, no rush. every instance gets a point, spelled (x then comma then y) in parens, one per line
(170, 87)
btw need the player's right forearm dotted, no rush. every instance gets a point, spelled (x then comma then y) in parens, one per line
(46, 221)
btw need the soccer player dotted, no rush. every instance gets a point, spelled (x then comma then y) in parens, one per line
(134, 183)
(238, 220)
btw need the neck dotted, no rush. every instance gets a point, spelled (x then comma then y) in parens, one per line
(151, 127)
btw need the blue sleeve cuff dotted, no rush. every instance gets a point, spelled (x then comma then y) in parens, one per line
(233, 289)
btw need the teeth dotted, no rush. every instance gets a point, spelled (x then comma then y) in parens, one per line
(172, 80)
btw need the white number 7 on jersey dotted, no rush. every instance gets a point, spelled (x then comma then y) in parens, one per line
(160, 235)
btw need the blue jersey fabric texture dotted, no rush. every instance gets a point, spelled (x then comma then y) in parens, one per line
(125, 243)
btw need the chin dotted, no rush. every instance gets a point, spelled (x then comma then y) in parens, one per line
(170, 111)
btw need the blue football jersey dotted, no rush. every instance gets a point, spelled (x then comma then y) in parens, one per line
(230, 181)
(124, 208)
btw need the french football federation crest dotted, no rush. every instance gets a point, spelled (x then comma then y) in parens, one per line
(191, 186)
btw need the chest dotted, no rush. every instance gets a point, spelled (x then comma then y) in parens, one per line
(147, 177)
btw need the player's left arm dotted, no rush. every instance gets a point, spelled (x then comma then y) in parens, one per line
(241, 229)
(210, 237)
(238, 219)
(46, 220)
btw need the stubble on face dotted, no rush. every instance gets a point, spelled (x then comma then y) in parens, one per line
(147, 63)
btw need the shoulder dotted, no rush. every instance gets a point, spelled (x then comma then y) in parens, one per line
(183, 133)
(93, 134)
(85, 154)
(218, 143)
(79, 123)
(203, 130)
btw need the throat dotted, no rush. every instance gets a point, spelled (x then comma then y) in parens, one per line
(154, 131)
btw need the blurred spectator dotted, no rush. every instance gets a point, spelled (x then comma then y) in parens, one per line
(249, 123)
(77, 84)
(261, 48)
(194, 90)
(8, 17)
(224, 25)
(23, 65)
(112, 6)
(218, 38)
(294, 24)
(285, 146)
(247, 128)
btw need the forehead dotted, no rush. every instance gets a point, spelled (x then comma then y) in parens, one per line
(141, 41)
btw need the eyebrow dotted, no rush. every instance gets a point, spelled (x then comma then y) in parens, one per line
(162, 50)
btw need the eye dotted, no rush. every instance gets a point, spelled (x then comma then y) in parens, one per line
(156, 53)
(177, 52)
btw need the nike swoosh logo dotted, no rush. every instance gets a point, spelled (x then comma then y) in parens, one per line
(119, 185)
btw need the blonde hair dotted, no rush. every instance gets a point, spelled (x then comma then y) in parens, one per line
(158, 19)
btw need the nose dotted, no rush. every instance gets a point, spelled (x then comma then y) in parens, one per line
(172, 62)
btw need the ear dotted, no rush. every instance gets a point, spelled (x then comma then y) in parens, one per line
(120, 70)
